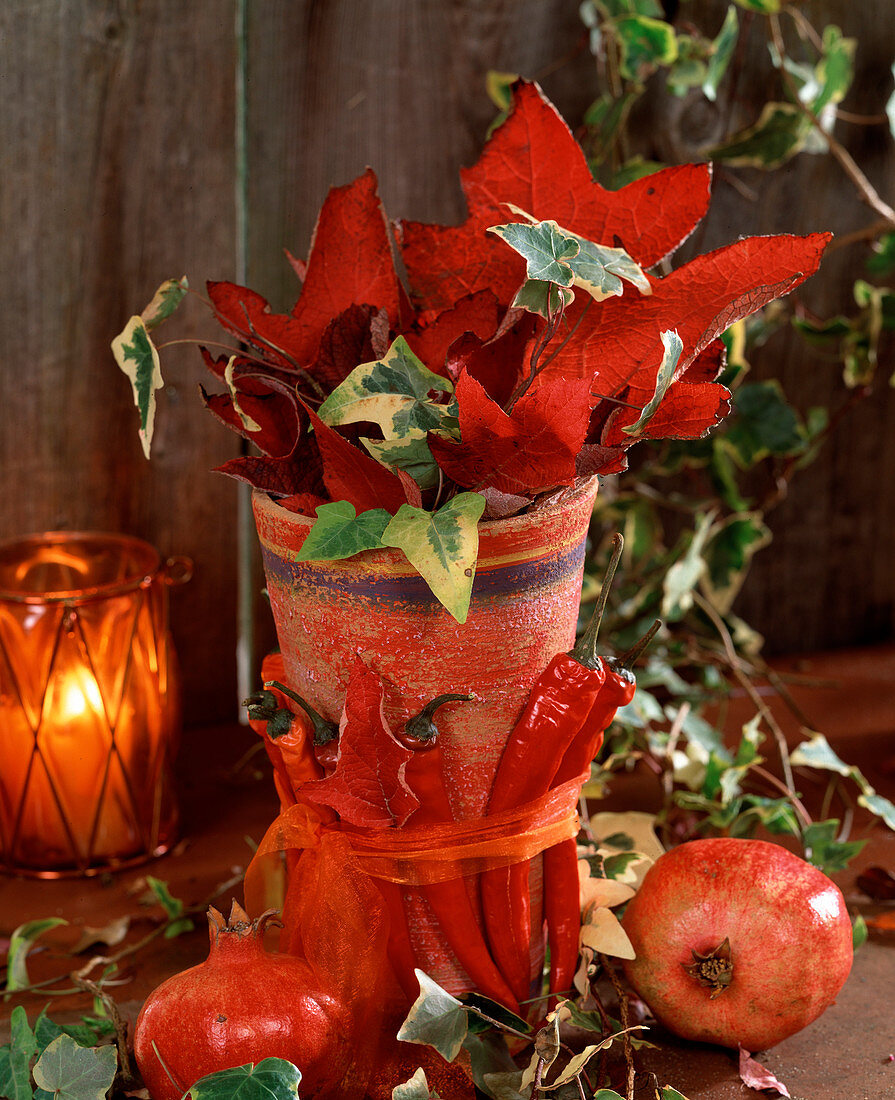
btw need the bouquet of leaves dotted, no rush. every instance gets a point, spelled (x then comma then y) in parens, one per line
(531, 346)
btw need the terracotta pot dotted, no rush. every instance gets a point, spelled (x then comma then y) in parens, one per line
(523, 611)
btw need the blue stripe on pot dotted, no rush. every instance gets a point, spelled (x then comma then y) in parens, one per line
(525, 577)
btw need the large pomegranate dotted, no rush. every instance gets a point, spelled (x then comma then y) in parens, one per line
(738, 942)
(241, 1005)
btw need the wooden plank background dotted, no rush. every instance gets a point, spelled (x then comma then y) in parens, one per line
(120, 167)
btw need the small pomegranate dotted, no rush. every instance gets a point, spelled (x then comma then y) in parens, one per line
(738, 942)
(241, 1005)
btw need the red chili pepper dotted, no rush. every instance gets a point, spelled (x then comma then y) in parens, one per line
(450, 901)
(561, 895)
(557, 709)
(326, 733)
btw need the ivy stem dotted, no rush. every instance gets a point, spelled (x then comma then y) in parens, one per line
(839, 153)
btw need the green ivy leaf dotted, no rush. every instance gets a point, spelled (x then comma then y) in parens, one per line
(542, 298)
(646, 44)
(69, 1071)
(858, 933)
(165, 301)
(86, 1034)
(15, 1058)
(545, 248)
(436, 1019)
(721, 52)
(20, 943)
(135, 354)
(823, 850)
(480, 1007)
(442, 546)
(763, 424)
(173, 906)
(270, 1079)
(673, 345)
(669, 1093)
(393, 392)
(689, 69)
(684, 575)
(599, 270)
(835, 71)
(339, 532)
(781, 131)
(882, 262)
(499, 86)
(728, 554)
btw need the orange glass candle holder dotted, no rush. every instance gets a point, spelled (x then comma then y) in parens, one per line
(89, 703)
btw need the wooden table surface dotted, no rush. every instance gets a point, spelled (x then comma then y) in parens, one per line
(228, 801)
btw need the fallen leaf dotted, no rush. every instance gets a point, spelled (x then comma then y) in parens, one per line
(757, 1076)
(603, 934)
(109, 934)
(877, 883)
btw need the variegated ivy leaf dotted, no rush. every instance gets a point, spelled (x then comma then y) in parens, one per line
(410, 454)
(436, 1019)
(673, 345)
(393, 392)
(248, 422)
(684, 575)
(339, 532)
(604, 935)
(597, 269)
(817, 753)
(68, 1071)
(416, 1088)
(545, 247)
(722, 51)
(165, 300)
(542, 298)
(442, 546)
(135, 354)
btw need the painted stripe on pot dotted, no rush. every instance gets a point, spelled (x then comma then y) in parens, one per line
(410, 588)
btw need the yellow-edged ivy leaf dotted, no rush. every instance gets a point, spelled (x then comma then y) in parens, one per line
(165, 300)
(394, 392)
(15, 1058)
(646, 44)
(442, 546)
(435, 1019)
(269, 1079)
(780, 132)
(135, 354)
(410, 454)
(722, 51)
(499, 87)
(248, 422)
(673, 345)
(69, 1071)
(20, 943)
(599, 270)
(339, 532)
(683, 576)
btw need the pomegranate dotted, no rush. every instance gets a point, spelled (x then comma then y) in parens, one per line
(241, 1005)
(738, 942)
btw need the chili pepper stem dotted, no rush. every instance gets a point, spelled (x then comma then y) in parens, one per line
(585, 651)
(324, 730)
(421, 727)
(627, 659)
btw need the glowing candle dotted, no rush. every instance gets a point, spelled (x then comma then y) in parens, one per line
(89, 707)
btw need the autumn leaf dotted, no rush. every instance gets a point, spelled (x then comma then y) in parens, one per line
(351, 474)
(648, 218)
(367, 788)
(436, 330)
(604, 935)
(350, 264)
(530, 450)
(759, 1077)
(136, 355)
(442, 546)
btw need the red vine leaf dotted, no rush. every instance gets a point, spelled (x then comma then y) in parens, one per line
(688, 410)
(437, 330)
(523, 453)
(351, 474)
(367, 788)
(648, 218)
